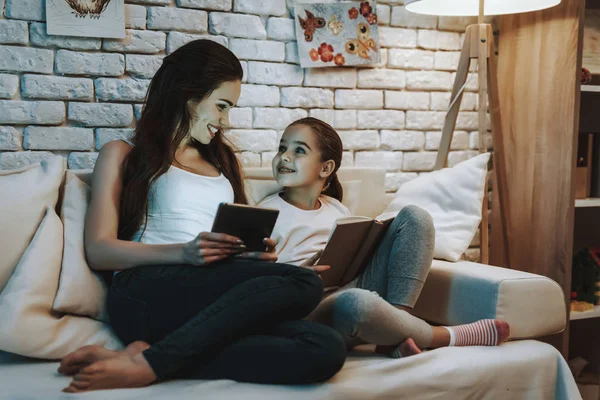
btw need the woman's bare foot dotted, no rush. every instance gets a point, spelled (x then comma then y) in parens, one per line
(405, 349)
(123, 371)
(87, 355)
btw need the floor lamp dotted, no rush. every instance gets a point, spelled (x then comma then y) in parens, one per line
(479, 45)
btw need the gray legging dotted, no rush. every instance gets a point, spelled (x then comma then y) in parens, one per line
(363, 311)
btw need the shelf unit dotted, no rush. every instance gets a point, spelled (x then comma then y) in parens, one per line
(576, 315)
(592, 202)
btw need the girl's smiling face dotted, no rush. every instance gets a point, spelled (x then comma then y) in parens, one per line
(298, 162)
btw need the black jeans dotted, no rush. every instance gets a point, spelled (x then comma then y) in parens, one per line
(239, 320)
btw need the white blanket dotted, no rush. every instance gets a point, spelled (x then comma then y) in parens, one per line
(517, 370)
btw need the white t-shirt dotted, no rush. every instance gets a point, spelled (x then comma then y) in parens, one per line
(302, 233)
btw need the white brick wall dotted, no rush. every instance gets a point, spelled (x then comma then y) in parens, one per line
(71, 95)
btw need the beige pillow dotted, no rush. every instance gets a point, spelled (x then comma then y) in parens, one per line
(29, 326)
(26, 193)
(81, 291)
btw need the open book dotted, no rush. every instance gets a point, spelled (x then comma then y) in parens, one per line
(352, 242)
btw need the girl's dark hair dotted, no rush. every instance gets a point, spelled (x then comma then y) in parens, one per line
(191, 73)
(331, 148)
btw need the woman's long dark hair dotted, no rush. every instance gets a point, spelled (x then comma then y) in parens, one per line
(331, 147)
(191, 73)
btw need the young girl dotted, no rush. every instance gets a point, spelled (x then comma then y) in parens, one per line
(371, 309)
(181, 303)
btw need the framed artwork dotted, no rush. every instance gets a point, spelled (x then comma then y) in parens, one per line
(89, 18)
(337, 34)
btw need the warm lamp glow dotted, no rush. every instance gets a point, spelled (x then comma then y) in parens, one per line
(468, 8)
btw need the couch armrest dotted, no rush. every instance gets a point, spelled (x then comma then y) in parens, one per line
(463, 292)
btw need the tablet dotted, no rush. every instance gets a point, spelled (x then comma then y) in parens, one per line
(251, 224)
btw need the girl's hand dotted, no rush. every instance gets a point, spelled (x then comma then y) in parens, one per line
(268, 255)
(209, 247)
(318, 268)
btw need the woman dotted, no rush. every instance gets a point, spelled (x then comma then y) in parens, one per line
(187, 302)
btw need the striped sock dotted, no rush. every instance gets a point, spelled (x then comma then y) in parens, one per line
(480, 333)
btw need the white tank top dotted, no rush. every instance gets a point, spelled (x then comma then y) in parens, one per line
(182, 204)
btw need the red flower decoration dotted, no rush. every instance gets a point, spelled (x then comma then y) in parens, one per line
(339, 59)
(372, 19)
(326, 52)
(353, 13)
(314, 54)
(365, 9)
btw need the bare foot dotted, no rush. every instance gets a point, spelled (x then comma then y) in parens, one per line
(503, 329)
(87, 355)
(123, 371)
(405, 349)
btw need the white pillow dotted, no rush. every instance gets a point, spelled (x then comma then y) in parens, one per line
(453, 197)
(81, 291)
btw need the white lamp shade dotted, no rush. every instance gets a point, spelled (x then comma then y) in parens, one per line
(469, 8)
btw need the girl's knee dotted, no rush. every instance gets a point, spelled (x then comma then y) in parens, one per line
(417, 217)
(352, 309)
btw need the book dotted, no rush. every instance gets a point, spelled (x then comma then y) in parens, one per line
(352, 243)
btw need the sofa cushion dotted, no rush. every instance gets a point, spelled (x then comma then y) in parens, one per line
(26, 193)
(81, 291)
(29, 326)
(454, 198)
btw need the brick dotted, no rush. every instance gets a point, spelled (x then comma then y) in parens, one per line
(347, 159)
(136, 41)
(291, 53)
(249, 159)
(105, 135)
(114, 89)
(101, 114)
(402, 140)
(30, 10)
(261, 7)
(380, 119)
(363, 99)
(345, 119)
(469, 120)
(261, 50)
(457, 24)
(267, 158)
(360, 140)
(407, 100)
(406, 19)
(306, 97)
(177, 39)
(429, 80)
(82, 160)
(9, 84)
(274, 74)
(135, 16)
(395, 180)
(437, 40)
(390, 161)
(419, 161)
(446, 60)
(441, 101)
(455, 157)
(253, 140)
(474, 140)
(383, 60)
(425, 120)
(259, 96)
(137, 110)
(218, 5)
(383, 14)
(410, 59)
(283, 29)
(56, 88)
(21, 159)
(76, 63)
(460, 140)
(39, 37)
(330, 77)
(381, 79)
(26, 59)
(177, 19)
(142, 66)
(397, 37)
(10, 138)
(62, 138)
(276, 118)
(153, 2)
(32, 112)
(472, 82)
(240, 117)
(237, 25)
(327, 116)
(14, 32)
(245, 69)
(473, 255)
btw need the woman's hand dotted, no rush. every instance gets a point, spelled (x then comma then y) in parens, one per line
(209, 247)
(267, 255)
(318, 268)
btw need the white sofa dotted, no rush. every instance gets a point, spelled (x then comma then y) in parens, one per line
(454, 293)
